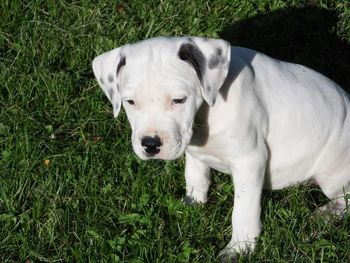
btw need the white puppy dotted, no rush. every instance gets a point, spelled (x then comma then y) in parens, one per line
(268, 123)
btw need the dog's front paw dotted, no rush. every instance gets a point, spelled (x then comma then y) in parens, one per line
(195, 196)
(227, 256)
(190, 200)
(231, 252)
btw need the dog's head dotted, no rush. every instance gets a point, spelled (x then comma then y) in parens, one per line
(162, 82)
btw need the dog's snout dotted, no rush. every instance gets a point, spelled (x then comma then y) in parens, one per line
(151, 144)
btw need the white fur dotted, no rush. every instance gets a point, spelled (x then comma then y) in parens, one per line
(271, 123)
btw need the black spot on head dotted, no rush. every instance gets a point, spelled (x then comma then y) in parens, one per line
(191, 54)
(219, 52)
(110, 78)
(121, 63)
(213, 62)
(101, 80)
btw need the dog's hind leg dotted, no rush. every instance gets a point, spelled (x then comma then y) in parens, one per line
(336, 206)
(337, 188)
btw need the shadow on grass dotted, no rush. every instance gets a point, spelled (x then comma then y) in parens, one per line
(300, 35)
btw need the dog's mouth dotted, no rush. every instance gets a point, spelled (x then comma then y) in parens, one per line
(162, 153)
(151, 155)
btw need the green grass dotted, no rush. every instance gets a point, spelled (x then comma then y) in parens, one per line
(71, 188)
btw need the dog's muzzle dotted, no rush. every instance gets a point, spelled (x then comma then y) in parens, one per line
(151, 144)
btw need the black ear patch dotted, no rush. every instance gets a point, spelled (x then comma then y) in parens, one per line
(216, 59)
(214, 62)
(121, 63)
(192, 55)
(110, 93)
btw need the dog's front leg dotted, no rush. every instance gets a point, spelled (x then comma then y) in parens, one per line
(248, 177)
(197, 180)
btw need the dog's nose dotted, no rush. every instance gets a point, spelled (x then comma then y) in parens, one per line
(151, 144)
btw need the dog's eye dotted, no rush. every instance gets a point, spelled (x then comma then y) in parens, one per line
(179, 101)
(131, 102)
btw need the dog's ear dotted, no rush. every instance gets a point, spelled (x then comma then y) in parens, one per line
(210, 59)
(107, 68)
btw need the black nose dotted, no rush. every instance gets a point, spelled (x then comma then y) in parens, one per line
(151, 144)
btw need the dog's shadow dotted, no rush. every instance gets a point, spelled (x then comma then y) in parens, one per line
(301, 35)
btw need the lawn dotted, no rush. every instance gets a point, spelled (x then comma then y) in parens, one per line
(71, 188)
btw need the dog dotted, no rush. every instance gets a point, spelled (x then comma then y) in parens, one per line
(269, 123)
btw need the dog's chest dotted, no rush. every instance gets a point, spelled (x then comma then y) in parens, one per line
(212, 156)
